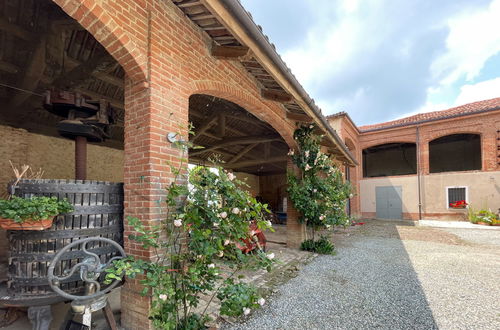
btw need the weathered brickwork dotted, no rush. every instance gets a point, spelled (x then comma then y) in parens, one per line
(166, 59)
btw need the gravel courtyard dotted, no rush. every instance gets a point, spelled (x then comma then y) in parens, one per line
(389, 275)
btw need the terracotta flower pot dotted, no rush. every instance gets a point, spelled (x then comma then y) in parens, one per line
(9, 224)
(483, 223)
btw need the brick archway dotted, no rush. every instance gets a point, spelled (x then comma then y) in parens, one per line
(92, 17)
(248, 102)
(438, 135)
(371, 145)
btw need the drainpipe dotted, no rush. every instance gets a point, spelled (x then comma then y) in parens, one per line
(418, 175)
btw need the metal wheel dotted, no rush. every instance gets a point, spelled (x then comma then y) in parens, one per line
(90, 269)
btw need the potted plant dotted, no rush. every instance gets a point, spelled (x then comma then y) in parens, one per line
(36, 213)
(483, 217)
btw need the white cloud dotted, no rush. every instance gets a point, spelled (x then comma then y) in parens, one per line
(483, 90)
(474, 37)
(469, 93)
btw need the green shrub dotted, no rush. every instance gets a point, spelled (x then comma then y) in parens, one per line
(236, 298)
(322, 246)
(35, 208)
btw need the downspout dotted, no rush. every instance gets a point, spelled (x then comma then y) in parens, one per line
(418, 175)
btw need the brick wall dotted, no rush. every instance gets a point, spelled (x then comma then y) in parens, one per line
(485, 124)
(166, 59)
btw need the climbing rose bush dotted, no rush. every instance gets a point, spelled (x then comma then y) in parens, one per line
(319, 191)
(197, 251)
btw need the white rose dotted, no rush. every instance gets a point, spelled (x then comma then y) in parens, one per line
(351, 195)
(231, 176)
(236, 210)
(261, 301)
(178, 222)
(163, 297)
(227, 242)
(315, 190)
(270, 256)
(246, 311)
(211, 266)
(322, 217)
(307, 168)
(221, 254)
(223, 215)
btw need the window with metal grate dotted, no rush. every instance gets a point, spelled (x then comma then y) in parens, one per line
(457, 197)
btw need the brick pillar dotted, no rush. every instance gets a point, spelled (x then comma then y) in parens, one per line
(295, 232)
(150, 114)
(489, 147)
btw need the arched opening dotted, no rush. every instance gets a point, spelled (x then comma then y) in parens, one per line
(244, 144)
(455, 152)
(241, 141)
(390, 159)
(43, 49)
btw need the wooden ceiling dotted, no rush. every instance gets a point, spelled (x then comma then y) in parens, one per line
(231, 134)
(41, 48)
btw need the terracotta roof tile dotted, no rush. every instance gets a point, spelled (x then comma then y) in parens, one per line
(466, 109)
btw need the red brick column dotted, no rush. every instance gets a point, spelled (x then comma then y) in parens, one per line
(489, 147)
(295, 231)
(150, 115)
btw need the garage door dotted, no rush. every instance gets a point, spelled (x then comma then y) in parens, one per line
(388, 202)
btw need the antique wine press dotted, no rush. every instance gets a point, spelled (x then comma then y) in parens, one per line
(91, 271)
(86, 120)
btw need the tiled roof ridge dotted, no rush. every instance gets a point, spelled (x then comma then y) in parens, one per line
(461, 110)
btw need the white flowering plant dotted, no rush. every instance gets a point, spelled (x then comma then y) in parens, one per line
(207, 213)
(318, 190)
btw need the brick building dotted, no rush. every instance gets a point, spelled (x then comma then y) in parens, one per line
(413, 168)
(160, 64)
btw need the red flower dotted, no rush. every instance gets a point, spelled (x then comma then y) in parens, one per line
(458, 204)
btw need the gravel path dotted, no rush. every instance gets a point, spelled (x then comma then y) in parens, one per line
(378, 280)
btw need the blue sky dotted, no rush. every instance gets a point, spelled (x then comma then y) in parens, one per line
(380, 60)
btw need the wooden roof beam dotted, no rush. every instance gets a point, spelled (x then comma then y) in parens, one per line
(243, 152)
(16, 30)
(228, 52)
(299, 117)
(200, 17)
(189, 3)
(202, 130)
(248, 163)
(239, 140)
(275, 95)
